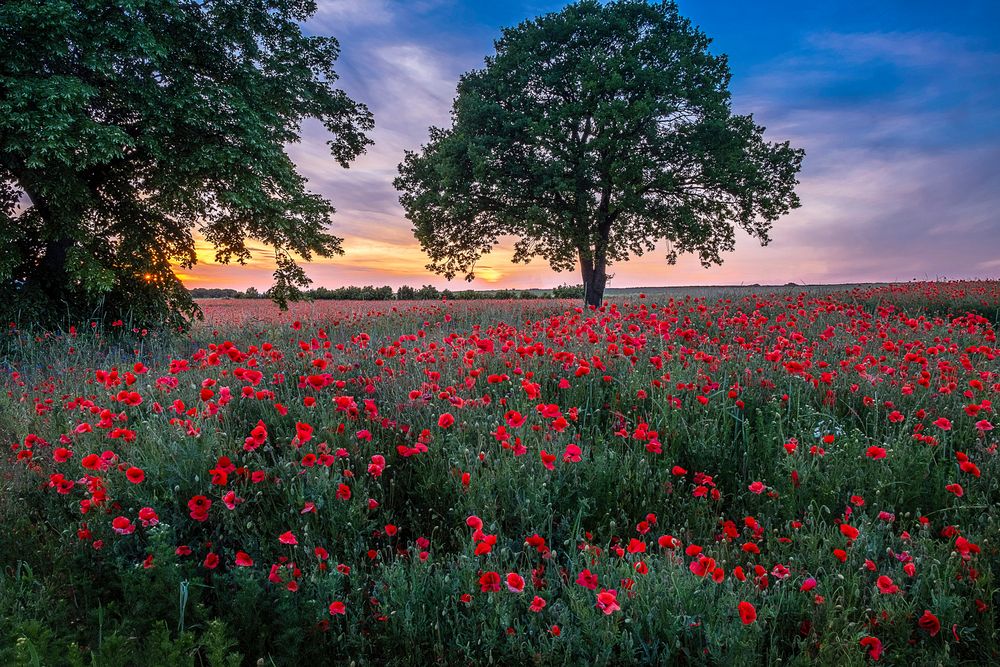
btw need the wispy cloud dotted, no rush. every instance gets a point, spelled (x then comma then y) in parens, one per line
(336, 15)
(901, 130)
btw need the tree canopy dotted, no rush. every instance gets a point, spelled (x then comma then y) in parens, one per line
(128, 126)
(591, 135)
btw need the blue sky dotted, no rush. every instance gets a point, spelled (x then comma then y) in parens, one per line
(896, 103)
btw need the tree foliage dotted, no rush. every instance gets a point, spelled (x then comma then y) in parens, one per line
(128, 126)
(592, 134)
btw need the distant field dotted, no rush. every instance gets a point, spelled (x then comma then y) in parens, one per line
(712, 291)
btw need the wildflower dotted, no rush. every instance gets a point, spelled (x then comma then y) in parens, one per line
(148, 516)
(122, 525)
(930, 623)
(587, 579)
(702, 566)
(873, 645)
(875, 453)
(548, 460)
(515, 582)
(198, 506)
(748, 613)
(607, 601)
(489, 582)
(886, 586)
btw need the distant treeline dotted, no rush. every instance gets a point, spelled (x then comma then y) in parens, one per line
(404, 293)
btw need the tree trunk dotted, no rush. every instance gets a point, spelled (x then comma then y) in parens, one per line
(595, 277)
(50, 276)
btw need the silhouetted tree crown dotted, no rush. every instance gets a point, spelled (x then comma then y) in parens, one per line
(592, 134)
(126, 126)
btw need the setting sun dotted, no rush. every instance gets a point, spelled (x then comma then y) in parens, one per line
(489, 274)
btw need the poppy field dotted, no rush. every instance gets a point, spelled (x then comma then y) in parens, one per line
(731, 478)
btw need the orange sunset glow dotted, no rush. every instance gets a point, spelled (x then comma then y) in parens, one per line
(895, 184)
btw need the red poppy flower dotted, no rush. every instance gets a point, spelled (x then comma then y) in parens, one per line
(702, 566)
(515, 582)
(287, 538)
(874, 647)
(748, 613)
(587, 579)
(607, 601)
(548, 460)
(886, 586)
(445, 420)
(338, 607)
(874, 452)
(930, 623)
(122, 525)
(148, 516)
(943, 423)
(199, 506)
(489, 582)
(667, 542)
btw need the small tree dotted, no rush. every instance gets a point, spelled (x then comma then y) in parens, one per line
(592, 134)
(127, 126)
(428, 292)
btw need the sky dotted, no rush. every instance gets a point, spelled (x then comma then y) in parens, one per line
(896, 103)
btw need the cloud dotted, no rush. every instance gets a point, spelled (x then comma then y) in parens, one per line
(900, 129)
(335, 15)
(894, 184)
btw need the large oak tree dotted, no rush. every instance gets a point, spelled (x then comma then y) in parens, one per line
(126, 126)
(592, 134)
